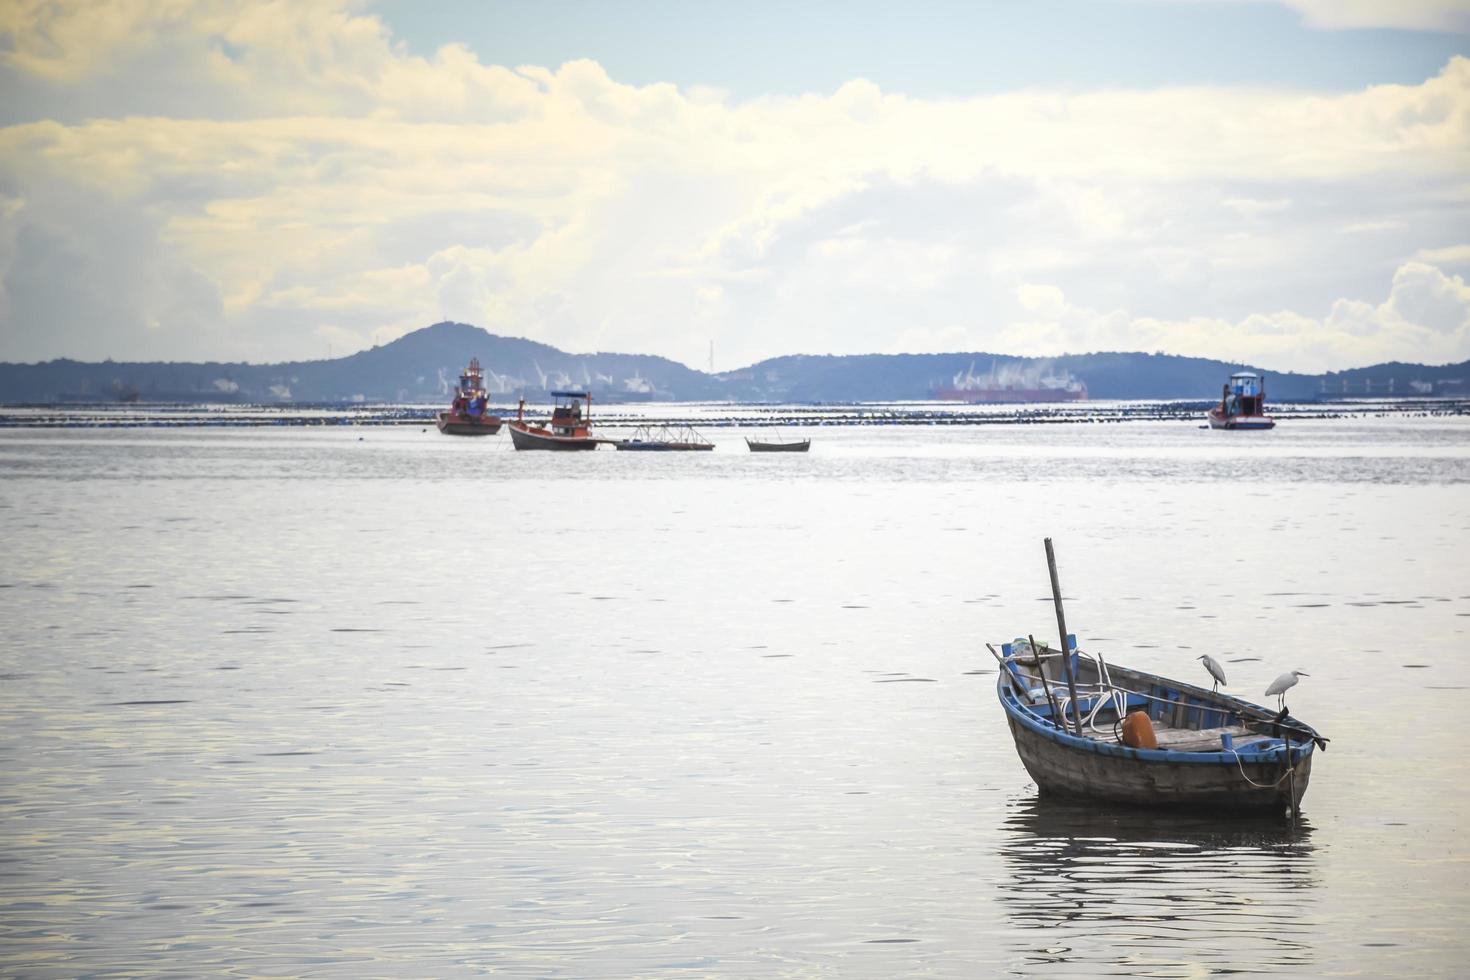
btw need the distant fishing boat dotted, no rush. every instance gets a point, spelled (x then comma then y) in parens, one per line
(1087, 728)
(469, 415)
(663, 438)
(792, 446)
(569, 429)
(1242, 404)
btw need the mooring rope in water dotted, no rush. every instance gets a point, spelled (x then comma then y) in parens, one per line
(1290, 771)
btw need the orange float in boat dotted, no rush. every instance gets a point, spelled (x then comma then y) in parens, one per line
(1138, 731)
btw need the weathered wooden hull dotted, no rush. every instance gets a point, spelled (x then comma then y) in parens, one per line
(524, 437)
(464, 425)
(1135, 777)
(779, 447)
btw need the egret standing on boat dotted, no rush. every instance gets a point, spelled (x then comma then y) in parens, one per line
(1213, 666)
(1282, 684)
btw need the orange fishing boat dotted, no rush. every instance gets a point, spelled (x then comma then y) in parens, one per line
(569, 428)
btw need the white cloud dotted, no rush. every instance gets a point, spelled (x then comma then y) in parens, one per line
(1426, 318)
(247, 180)
(1361, 227)
(1418, 15)
(1414, 15)
(1249, 207)
(1449, 255)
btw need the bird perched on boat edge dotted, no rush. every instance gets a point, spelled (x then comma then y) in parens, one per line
(1213, 666)
(1281, 684)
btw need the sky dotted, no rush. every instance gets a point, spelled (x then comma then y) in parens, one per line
(1285, 184)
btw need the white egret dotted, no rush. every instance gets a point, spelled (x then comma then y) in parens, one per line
(1213, 666)
(1281, 684)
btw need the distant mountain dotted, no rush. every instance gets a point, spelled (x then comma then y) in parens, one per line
(423, 366)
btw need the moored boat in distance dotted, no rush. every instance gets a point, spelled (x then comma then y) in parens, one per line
(663, 439)
(1242, 404)
(569, 428)
(1087, 728)
(789, 446)
(469, 415)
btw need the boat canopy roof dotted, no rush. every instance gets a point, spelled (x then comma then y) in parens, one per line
(1244, 374)
(570, 394)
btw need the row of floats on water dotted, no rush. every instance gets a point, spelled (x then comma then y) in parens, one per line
(570, 426)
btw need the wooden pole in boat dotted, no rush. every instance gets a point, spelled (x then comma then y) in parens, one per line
(1009, 674)
(1056, 712)
(1056, 595)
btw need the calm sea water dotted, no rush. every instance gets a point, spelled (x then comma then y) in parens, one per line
(377, 702)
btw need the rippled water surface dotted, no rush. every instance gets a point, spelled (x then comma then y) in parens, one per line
(360, 701)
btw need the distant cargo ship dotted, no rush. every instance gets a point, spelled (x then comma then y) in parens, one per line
(1012, 383)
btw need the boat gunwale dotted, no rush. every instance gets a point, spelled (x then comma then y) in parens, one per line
(1254, 753)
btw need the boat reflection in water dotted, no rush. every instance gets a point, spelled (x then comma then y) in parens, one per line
(1096, 891)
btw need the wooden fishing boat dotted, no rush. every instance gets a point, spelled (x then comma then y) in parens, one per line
(663, 439)
(793, 446)
(1083, 728)
(470, 415)
(1242, 404)
(569, 429)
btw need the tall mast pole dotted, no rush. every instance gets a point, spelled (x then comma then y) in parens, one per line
(1056, 595)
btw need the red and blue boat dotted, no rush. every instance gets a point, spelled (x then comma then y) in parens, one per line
(470, 414)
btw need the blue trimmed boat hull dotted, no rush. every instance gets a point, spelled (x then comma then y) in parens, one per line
(1253, 778)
